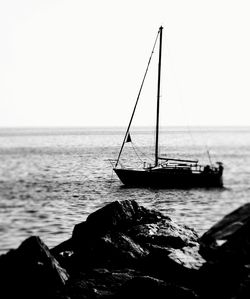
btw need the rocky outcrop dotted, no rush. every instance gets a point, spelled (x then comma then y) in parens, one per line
(229, 238)
(125, 250)
(226, 247)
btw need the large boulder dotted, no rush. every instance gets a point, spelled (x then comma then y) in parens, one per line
(125, 235)
(229, 238)
(30, 271)
(123, 232)
(116, 216)
(226, 247)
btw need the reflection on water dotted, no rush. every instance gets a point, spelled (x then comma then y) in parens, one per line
(51, 180)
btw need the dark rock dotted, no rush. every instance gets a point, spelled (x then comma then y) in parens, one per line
(98, 283)
(65, 246)
(188, 257)
(102, 238)
(220, 280)
(173, 250)
(117, 215)
(112, 250)
(30, 271)
(164, 233)
(226, 247)
(123, 234)
(148, 287)
(229, 238)
(63, 253)
(119, 284)
(243, 290)
(175, 266)
(122, 214)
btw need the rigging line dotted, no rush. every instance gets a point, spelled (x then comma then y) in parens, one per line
(138, 156)
(111, 179)
(180, 98)
(142, 153)
(209, 157)
(145, 155)
(138, 96)
(185, 115)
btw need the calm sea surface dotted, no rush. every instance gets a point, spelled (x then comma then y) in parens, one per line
(51, 179)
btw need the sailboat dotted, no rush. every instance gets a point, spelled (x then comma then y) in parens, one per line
(166, 172)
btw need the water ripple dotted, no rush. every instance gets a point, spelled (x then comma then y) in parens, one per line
(49, 183)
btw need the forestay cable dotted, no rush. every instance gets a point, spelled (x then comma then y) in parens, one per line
(138, 96)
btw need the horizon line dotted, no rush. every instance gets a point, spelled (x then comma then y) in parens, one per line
(118, 126)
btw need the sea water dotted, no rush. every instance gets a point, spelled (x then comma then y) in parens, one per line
(53, 178)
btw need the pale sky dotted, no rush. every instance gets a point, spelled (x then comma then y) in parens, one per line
(80, 63)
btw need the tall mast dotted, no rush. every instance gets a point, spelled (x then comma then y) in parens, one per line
(158, 100)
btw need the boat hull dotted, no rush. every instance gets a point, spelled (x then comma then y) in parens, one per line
(168, 179)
